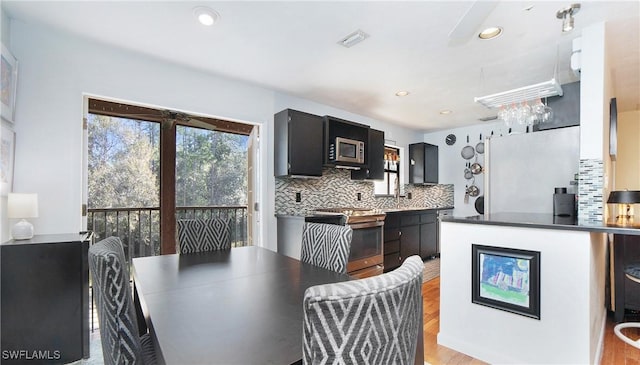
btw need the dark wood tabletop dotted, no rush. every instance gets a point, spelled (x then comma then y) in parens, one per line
(239, 306)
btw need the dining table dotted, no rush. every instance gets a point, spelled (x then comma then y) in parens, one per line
(237, 306)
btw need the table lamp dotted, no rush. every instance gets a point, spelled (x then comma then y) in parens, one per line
(22, 206)
(624, 202)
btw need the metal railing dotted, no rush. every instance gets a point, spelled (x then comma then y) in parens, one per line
(139, 228)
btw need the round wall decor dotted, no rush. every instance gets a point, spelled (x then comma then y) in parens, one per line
(450, 139)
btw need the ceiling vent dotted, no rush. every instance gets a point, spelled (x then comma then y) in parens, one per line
(353, 38)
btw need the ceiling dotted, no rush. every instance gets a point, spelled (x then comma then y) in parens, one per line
(292, 47)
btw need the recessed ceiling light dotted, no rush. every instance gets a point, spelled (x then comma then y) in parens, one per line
(490, 33)
(446, 112)
(206, 16)
(402, 93)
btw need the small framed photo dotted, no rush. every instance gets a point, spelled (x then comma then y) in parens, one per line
(506, 279)
(7, 157)
(9, 72)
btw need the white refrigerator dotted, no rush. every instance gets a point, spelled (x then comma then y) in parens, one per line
(523, 170)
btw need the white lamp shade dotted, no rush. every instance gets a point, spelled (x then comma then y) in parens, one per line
(22, 205)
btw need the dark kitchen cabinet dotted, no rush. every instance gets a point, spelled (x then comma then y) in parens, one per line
(375, 158)
(407, 233)
(428, 235)
(423, 163)
(298, 144)
(45, 298)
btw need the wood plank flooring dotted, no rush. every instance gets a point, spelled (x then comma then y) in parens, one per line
(615, 351)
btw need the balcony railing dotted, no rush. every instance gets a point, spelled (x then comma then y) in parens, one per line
(139, 228)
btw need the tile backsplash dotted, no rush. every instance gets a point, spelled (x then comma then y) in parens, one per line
(336, 189)
(590, 186)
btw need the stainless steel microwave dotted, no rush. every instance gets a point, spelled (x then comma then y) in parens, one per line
(346, 150)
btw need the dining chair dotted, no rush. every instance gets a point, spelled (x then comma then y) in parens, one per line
(326, 245)
(121, 343)
(200, 235)
(632, 272)
(368, 321)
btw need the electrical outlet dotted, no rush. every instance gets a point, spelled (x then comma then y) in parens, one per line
(298, 197)
(408, 195)
(359, 196)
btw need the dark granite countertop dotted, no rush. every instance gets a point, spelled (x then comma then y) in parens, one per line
(412, 209)
(537, 220)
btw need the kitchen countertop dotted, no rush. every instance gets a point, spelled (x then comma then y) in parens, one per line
(384, 210)
(538, 220)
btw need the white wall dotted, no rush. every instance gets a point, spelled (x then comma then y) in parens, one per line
(572, 313)
(57, 70)
(451, 164)
(5, 34)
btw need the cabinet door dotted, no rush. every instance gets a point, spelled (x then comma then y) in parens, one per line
(297, 143)
(374, 158)
(423, 163)
(428, 240)
(409, 241)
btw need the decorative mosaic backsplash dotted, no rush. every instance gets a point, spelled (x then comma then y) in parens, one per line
(336, 189)
(590, 185)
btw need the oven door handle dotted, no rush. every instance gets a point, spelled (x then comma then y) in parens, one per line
(366, 224)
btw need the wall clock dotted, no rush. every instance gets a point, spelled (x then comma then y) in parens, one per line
(450, 139)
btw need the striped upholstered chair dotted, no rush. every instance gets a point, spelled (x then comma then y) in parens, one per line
(368, 321)
(200, 235)
(121, 343)
(326, 245)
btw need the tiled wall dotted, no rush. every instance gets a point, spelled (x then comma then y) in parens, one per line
(336, 189)
(590, 187)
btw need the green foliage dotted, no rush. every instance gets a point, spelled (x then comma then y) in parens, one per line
(211, 167)
(123, 163)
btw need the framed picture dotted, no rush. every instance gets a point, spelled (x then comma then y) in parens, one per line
(9, 72)
(7, 156)
(506, 279)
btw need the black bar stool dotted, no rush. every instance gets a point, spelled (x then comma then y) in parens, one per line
(633, 273)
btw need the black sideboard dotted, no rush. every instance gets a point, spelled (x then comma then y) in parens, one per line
(45, 299)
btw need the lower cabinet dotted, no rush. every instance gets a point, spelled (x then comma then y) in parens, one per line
(409, 233)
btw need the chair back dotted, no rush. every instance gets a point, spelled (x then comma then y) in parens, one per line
(112, 293)
(200, 235)
(368, 321)
(326, 245)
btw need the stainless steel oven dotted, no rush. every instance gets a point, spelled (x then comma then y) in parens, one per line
(366, 257)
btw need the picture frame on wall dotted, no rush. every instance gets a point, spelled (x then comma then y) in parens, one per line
(7, 158)
(9, 74)
(506, 279)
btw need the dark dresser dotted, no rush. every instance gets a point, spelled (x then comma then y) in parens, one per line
(45, 299)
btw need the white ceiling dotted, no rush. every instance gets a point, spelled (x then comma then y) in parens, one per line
(292, 47)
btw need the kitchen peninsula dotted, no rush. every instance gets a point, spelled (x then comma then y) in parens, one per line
(563, 317)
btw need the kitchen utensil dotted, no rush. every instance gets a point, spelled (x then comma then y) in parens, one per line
(480, 145)
(479, 204)
(468, 174)
(476, 168)
(467, 151)
(466, 194)
(473, 190)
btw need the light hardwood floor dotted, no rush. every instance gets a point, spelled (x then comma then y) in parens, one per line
(615, 351)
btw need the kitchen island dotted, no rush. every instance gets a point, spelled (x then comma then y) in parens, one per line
(558, 314)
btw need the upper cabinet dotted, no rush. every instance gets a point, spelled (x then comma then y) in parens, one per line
(375, 157)
(345, 143)
(298, 143)
(423, 163)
